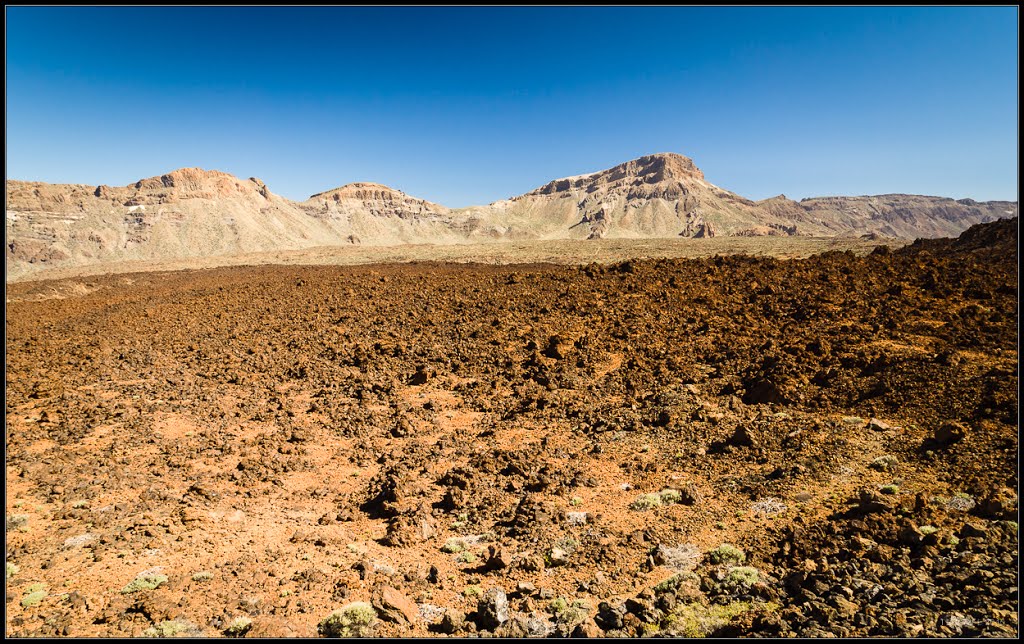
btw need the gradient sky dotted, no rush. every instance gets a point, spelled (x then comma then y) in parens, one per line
(466, 106)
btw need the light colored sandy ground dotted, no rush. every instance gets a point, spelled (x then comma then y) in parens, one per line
(562, 251)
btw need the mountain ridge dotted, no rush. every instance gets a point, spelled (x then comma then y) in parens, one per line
(193, 212)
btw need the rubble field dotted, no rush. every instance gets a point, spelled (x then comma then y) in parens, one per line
(723, 446)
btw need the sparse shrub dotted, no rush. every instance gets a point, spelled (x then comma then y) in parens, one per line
(466, 557)
(727, 554)
(670, 584)
(238, 627)
(769, 506)
(961, 502)
(697, 620)
(884, 463)
(171, 628)
(17, 522)
(12, 569)
(891, 488)
(743, 576)
(80, 504)
(453, 545)
(646, 502)
(1011, 525)
(472, 591)
(353, 620)
(34, 595)
(570, 615)
(203, 575)
(927, 530)
(575, 501)
(144, 582)
(670, 496)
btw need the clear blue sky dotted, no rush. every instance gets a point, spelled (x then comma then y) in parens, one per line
(469, 105)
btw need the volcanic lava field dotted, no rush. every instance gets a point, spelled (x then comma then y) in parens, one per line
(726, 446)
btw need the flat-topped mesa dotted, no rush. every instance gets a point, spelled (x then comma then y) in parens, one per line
(365, 190)
(671, 169)
(376, 198)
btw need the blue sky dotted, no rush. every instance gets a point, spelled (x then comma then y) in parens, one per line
(469, 105)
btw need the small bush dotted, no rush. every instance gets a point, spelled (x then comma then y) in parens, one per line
(927, 530)
(466, 557)
(354, 620)
(646, 502)
(727, 554)
(557, 605)
(453, 545)
(239, 627)
(670, 496)
(12, 569)
(884, 463)
(203, 575)
(697, 620)
(33, 597)
(672, 583)
(144, 582)
(743, 576)
(892, 488)
(570, 615)
(172, 628)
(472, 591)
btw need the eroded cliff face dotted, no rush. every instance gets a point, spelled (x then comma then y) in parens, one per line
(374, 199)
(192, 212)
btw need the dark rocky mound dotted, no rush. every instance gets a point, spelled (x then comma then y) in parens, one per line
(997, 237)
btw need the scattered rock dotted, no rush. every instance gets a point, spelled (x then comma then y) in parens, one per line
(949, 433)
(392, 606)
(452, 621)
(492, 610)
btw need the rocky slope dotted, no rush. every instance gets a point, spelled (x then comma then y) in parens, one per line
(198, 213)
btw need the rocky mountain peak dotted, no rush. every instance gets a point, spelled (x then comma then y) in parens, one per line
(663, 168)
(193, 183)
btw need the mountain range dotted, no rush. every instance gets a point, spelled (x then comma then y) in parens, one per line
(198, 213)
